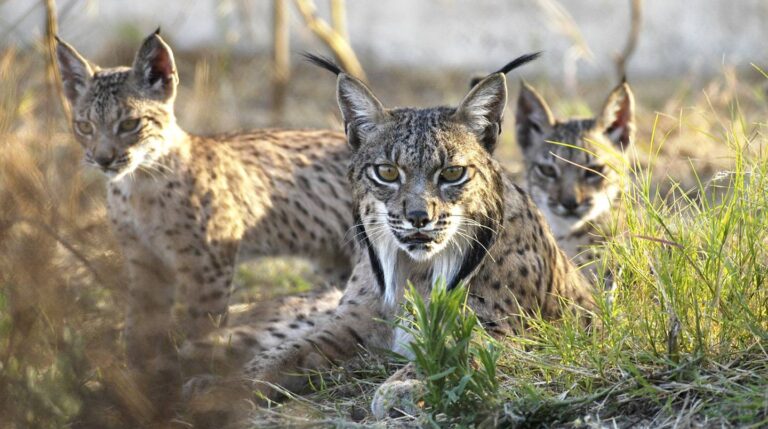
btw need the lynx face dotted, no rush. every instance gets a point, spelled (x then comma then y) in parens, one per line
(574, 168)
(422, 194)
(119, 115)
(424, 179)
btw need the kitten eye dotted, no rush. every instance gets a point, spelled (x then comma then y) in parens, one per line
(452, 174)
(128, 125)
(387, 172)
(84, 127)
(546, 170)
(594, 173)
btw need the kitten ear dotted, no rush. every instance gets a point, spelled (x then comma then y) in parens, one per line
(617, 119)
(483, 108)
(154, 68)
(532, 118)
(360, 109)
(74, 69)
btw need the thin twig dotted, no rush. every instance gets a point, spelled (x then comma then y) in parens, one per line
(76, 253)
(281, 61)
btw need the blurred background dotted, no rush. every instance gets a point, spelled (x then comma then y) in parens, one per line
(688, 36)
(694, 65)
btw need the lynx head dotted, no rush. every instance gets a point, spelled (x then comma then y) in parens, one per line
(573, 172)
(121, 115)
(427, 192)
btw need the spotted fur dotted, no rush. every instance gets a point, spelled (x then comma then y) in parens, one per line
(576, 169)
(186, 208)
(478, 229)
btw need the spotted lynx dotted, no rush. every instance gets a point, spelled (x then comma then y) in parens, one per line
(577, 183)
(430, 202)
(186, 208)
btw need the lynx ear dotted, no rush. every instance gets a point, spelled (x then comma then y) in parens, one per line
(154, 68)
(75, 72)
(532, 118)
(360, 109)
(618, 117)
(483, 108)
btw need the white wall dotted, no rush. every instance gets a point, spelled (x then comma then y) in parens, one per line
(678, 36)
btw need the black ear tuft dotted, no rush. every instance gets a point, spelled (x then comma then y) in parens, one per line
(323, 62)
(516, 63)
(519, 61)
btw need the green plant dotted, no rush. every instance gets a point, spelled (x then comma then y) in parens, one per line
(452, 352)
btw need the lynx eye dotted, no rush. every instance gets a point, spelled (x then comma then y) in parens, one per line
(128, 125)
(84, 127)
(546, 170)
(452, 174)
(387, 172)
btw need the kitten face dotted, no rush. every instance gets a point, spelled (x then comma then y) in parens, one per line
(120, 115)
(571, 166)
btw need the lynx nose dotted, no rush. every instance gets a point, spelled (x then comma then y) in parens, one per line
(418, 218)
(104, 160)
(569, 203)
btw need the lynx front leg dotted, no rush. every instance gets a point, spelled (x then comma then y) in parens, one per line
(359, 321)
(149, 341)
(204, 275)
(149, 319)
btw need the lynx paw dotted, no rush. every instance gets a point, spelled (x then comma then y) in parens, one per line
(398, 397)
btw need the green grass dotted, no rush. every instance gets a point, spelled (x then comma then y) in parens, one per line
(683, 339)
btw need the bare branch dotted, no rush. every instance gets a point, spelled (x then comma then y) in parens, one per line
(281, 61)
(340, 47)
(636, 20)
(339, 18)
(51, 29)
